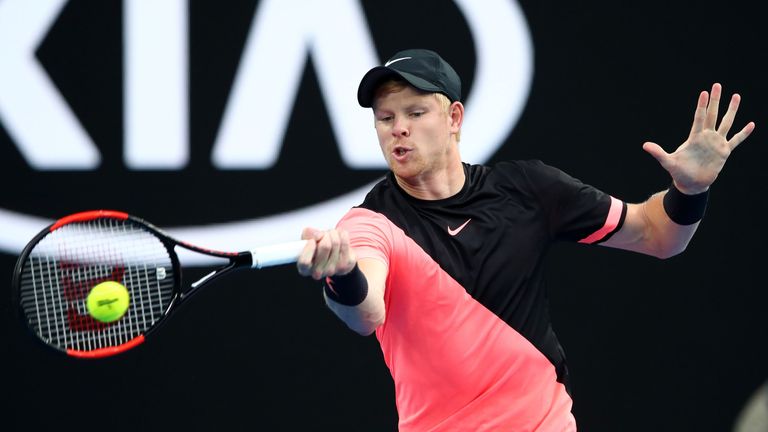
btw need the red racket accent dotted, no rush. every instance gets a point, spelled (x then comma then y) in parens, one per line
(109, 351)
(190, 246)
(89, 215)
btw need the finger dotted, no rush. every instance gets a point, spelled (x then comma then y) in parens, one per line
(699, 116)
(741, 135)
(329, 267)
(658, 153)
(321, 256)
(730, 115)
(308, 233)
(304, 263)
(712, 108)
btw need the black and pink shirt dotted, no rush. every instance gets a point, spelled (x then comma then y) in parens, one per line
(467, 333)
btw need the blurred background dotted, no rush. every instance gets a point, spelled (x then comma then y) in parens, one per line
(234, 124)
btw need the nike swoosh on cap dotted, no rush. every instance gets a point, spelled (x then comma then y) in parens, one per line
(396, 60)
(453, 232)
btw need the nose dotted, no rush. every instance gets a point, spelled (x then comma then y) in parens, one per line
(401, 128)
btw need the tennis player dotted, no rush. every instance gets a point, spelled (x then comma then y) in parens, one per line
(443, 260)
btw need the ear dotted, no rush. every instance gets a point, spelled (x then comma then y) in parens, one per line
(456, 115)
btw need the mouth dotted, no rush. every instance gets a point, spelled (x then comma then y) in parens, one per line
(400, 152)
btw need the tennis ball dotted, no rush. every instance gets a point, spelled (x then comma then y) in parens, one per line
(108, 301)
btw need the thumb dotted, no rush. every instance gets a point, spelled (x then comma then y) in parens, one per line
(658, 153)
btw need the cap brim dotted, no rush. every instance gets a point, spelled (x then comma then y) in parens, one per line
(371, 81)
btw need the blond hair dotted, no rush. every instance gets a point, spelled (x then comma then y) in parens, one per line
(396, 85)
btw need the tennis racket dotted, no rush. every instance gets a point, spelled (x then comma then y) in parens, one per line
(58, 269)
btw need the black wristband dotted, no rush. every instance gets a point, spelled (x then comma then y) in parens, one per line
(349, 289)
(685, 209)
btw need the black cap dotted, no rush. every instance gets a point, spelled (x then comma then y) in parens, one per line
(423, 69)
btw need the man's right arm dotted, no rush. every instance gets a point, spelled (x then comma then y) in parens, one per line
(355, 289)
(366, 316)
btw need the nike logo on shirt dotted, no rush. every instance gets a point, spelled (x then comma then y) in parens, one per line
(453, 232)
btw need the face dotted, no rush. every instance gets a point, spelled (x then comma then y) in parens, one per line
(415, 133)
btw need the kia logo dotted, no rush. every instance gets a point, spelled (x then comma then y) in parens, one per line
(334, 34)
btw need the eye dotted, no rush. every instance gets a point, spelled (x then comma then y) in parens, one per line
(417, 114)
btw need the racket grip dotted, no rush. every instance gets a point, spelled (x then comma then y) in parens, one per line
(277, 254)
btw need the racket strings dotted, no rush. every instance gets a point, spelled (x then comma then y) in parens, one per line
(67, 263)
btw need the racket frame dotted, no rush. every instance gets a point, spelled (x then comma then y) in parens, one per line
(237, 260)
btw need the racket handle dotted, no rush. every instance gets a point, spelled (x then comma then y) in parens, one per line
(277, 254)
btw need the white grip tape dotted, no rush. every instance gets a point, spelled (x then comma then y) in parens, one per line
(277, 254)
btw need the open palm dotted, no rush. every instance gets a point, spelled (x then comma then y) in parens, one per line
(696, 163)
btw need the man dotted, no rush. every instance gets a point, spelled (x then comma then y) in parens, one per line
(443, 260)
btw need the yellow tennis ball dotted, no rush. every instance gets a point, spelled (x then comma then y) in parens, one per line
(108, 301)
